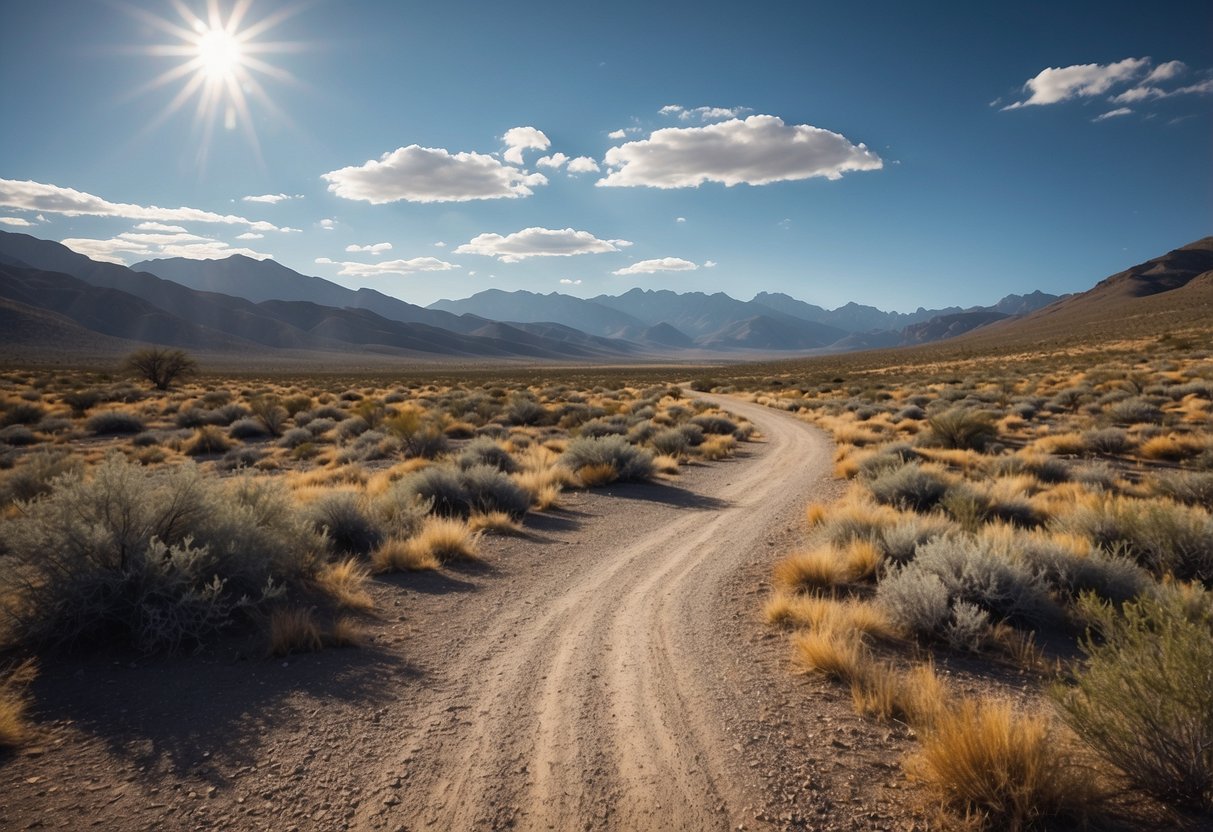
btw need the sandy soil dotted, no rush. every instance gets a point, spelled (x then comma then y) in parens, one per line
(606, 671)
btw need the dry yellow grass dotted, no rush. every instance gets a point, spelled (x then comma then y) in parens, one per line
(293, 630)
(982, 757)
(1071, 442)
(14, 704)
(395, 555)
(786, 609)
(815, 513)
(345, 632)
(497, 522)
(717, 447)
(836, 653)
(591, 476)
(819, 568)
(1172, 447)
(447, 540)
(863, 557)
(666, 464)
(345, 581)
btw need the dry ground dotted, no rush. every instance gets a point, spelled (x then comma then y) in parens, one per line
(609, 670)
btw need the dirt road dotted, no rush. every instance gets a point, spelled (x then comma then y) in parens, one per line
(598, 702)
(608, 671)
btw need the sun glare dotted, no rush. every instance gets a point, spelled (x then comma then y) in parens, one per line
(219, 53)
(219, 65)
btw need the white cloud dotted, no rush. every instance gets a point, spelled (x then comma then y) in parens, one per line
(413, 266)
(249, 235)
(373, 248)
(583, 164)
(702, 113)
(680, 219)
(152, 245)
(1119, 111)
(440, 244)
(617, 134)
(1145, 91)
(53, 199)
(15, 221)
(271, 199)
(518, 139)
(539, 242)
(556, 160)
(661, 264)
(709, 264)
(431, 174)
(1056, 84)
(564, 281)
(754, 151)
(328, 224)
(159, 226)
(1166, 71)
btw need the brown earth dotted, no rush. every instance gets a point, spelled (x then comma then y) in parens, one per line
(608, 670)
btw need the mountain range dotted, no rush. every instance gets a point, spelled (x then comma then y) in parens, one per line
(54, 299)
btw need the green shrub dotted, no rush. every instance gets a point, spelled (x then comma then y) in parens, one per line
(629, 462)
(962, 428)
(157, 558)
(112, 422)
(1143, 699)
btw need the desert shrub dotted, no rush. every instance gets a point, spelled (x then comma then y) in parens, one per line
(17, 436)
(15, 680)
(347, 523)
(1004, 767)
(269, 411)
(484, 451)
(158, 558)
(207, 440)
(489, 490)
(293, 630)
(912, 487)
(80, 401)
(296, 404)
(1134, 411)
(962, 428)
(523, 410)
(598, 428)
(54, 424)
(318, 427)
(1162, 536)
(1194, 488)
(428, 443)
(247, 429)
(703, 385)
(295, 437)
(911, 411)
(888, 458)
(161, 366)
(194, 417)
(400, 511)
(21, 413)
(352, 427)
(715, 424)
(972, 507)
(671, 442)
(36, 474)
(438, 485)
(1115, 578)
(238, 458)
(1108, 441)
(628, 462)
(229, 413)
(693, 433)
(1143, 699)
(900, 541)
(113, 422)
(923, 595)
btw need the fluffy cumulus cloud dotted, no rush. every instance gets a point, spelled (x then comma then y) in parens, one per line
(412, 266)
(702, 113)
(373, 248)
(752, 151)
(38, 196)
(539, 242)
(565, 281)
(431, 174)
(271, 199)
(328, 224)
(661, 264)
(1057, 84)
(518, 139)
(583, 164)
(143, 244)
(556, 160)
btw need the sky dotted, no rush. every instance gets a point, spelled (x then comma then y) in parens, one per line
(887, 153)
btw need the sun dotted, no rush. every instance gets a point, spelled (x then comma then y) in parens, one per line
(219, 53)
(219, 64)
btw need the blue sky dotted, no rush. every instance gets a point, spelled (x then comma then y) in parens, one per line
(890, 153)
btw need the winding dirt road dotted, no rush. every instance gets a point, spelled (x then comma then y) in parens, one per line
(598, 703)
(606, 672)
